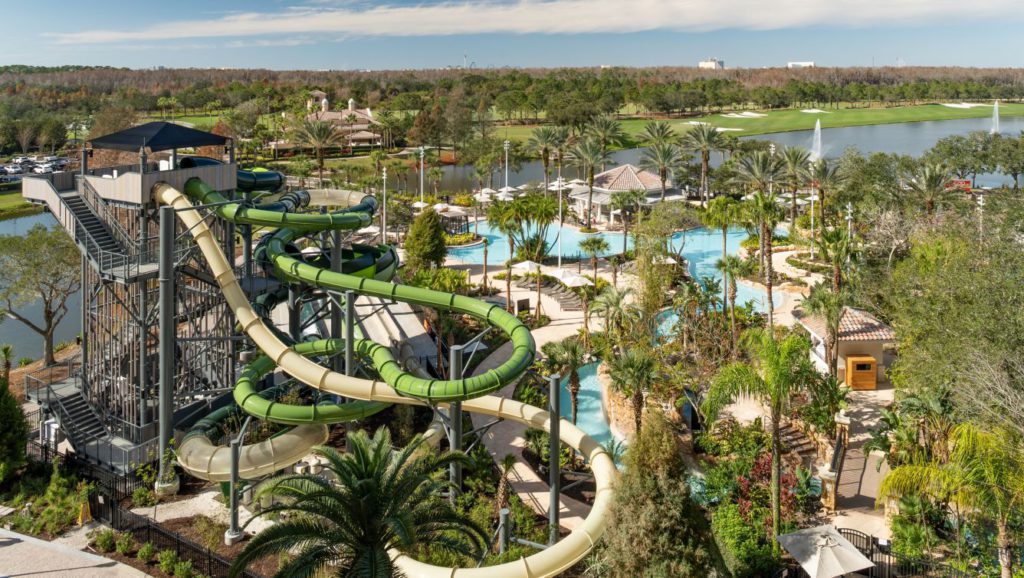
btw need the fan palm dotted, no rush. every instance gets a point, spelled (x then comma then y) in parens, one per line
(318, 135)
(627, 203)
(764, 211)
(567, 357)
(797, 162)
(931, 187)
(508, 463)
(829, 305)
(660, 157)
(632, 374)
(835, 248)
(722, 213)
(543, 141)
(704, 138)
(732, 268)
(656, 132)
(607, 132)
(778, 368)
(377, 501)
(827, 178)
(7, 356)
(594, 246)
(611, 304)
(983, 475)
(587, 155)
(503, 218)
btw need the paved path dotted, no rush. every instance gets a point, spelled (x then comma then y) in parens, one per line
(22, 555)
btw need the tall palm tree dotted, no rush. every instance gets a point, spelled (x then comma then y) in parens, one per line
(376, 499)
(607, 132)
(766, 213)
(722, 213)
(656, 132)
(732, 268)
(543, 141)
(503, 217)
(931, 187)
(318, 135)
(7, 356)
(661, 157)
(828, 304)
(612, 305)
(594, 246)
(836, 249)
(778, 368)
(587, 155)
(567, 357)
(508, 463)
(983, 475)
(827, 178)
(632, 374)
(627, 203)
(704, 138)
(797, 172)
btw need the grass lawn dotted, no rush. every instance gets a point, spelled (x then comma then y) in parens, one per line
(13, 205)
(788, 120)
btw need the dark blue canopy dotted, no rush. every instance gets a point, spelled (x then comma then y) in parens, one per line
(158, 136)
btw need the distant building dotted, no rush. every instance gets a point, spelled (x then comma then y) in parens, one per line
(357, 124)
(711, 64)
(805, 64)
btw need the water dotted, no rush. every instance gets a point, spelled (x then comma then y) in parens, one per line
(26, 342)
(995, 118)
(816, 141)
(590, 409)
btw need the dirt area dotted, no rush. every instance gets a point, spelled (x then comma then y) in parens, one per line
(584, 492)
(58, 373)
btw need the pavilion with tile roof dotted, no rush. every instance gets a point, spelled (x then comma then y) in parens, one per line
(861, 335)
(625, 177)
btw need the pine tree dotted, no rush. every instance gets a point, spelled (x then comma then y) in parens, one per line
(424, 246)
(13, 434)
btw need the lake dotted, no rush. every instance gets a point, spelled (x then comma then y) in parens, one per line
(26, 342)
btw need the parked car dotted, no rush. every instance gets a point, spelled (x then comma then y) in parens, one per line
(13, 169)
(43, 168)
(21, 160)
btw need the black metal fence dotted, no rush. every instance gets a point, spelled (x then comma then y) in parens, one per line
(110, 489)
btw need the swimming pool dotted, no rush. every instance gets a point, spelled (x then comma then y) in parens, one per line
(590, 412)
(701, 247)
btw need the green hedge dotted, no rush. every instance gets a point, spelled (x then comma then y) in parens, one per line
(798, 262)
(743, 545)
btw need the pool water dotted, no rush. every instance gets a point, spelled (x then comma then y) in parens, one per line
(701, 247)
(590, 412)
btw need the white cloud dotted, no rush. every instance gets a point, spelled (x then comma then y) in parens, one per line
(563, 17)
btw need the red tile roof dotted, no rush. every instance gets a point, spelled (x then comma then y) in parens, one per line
(854, 325)
(627, 178)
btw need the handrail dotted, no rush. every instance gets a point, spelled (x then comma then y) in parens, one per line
(838, 457)
(95, 202)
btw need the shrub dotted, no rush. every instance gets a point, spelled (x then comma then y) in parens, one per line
(105, 540)
(146, 553)
(459, 238)
(183, 569)
(125, 544)
(57, 509)
(424, 244)
(143, 497)
(13, 434)
(743, 545)
(166, 561)
(25, 361)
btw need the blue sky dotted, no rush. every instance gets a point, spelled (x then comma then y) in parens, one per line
(358, 34)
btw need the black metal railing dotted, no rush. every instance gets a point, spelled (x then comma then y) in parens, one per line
(94, 201)
(838, 457)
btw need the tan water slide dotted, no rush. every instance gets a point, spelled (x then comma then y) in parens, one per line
(550, 562)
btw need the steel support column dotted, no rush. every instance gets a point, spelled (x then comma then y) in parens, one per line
(455, 421)
(554, 453)
(167, 334)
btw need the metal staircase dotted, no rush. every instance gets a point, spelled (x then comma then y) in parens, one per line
(78, 419)
(100, 235)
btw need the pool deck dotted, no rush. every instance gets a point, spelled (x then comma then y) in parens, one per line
(22, 555)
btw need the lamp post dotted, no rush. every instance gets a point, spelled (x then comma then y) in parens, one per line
(771, 178)
(981, 218)
(384, 210)
(561, 219)
(506, 145)
(849, 221)
(423, 156)
(814, 197)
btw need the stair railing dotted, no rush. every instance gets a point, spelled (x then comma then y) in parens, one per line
(102, 209)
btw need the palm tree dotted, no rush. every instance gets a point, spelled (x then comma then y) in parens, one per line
(931, 186)
(778, 368)
(543, 142)
(376, 499)
(632, 375)
(722, 213)
(318, 135)
(567, 357)
(797, 161)
(656, 132)
(587, 155)
(732, 268)
(508, 463)
(503, 217)
(7, 355)
(983, 475)
(594, 246)
(611, 303)
(835, 248)
(661, 157)
(829, 305)
(766, 213)
(627, 202)
(703, 138)
(826, 178)
(607, 132)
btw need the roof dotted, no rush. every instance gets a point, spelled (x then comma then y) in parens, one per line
(158, 136)
(363, 116)
(854, 325)
(627, 178)
(362, 135)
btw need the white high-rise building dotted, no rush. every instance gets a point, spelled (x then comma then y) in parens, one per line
(804, 64)
(711, 64)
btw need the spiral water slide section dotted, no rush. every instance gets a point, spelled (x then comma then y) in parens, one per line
(397, 386)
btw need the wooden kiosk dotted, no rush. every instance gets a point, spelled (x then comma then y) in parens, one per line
(861, 372)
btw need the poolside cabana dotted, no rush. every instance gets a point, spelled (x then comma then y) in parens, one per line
(861, 346)
(622, 178)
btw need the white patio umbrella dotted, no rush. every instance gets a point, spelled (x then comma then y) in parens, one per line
(823, 553)
(574, 280)
(504, 197)
(420, 205)
(507, 189)
(487, 191)
(559, 182)
(482, 197)
(532, 267)
(441, 207)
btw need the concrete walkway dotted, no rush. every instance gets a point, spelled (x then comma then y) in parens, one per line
(22, 555)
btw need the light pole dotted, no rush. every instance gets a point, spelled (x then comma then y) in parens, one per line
(384, 210)
(814, 197)
(506, 145)
(849, 221)
(981, 218)
(423, 156)
(561, 220)
(771, 177)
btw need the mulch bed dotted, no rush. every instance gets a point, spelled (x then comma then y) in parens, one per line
(584, 492)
